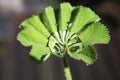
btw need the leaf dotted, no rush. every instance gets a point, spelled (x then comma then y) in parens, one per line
(49, 19)
(64, 15)
(36, 23)
(39, 53)
(71, 29)
(83, 52)
(82, 16)
(29, 36)
(94, 34)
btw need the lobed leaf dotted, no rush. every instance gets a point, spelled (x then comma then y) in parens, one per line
(73, 29)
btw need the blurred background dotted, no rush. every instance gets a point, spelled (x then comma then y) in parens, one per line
(14, 58)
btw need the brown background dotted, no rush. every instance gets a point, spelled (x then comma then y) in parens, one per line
(14, 58)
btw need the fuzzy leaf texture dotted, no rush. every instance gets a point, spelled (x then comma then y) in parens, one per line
(71, 30)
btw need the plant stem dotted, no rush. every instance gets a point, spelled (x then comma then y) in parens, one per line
(66, 69)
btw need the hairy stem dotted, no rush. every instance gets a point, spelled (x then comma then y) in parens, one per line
(66, 69)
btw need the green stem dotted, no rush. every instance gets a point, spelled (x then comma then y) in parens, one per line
(66, 69)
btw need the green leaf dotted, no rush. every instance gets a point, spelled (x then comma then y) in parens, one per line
(29, 36)
(94, 34)
(83, 52)
(82, 16)
(36, 23)
(69, 29)
(39, 53)
(49, 19)
(64, 15)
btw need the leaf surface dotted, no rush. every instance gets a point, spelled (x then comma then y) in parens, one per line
(94, 34)
(36, 23)
(29, 36)
(49, 19)
(39, 53)
(82, 16)
(64, 15)
(85, 53)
